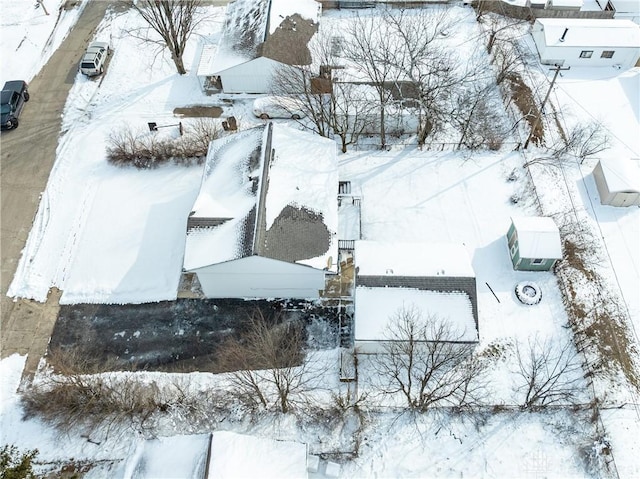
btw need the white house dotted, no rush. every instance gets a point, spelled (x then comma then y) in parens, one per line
(437, 279)
(265, 222)
(618, 181)
(587, 43)
(259, 36)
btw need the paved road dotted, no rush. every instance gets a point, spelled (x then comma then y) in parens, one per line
(28, 154)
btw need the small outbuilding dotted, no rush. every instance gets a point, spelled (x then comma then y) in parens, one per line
(534, 243)
(577, 42)
(618, 182)
(435, 278)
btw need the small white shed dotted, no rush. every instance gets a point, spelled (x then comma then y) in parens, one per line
(534, 243)
(265, 222)
(578, 42)
(618, 182)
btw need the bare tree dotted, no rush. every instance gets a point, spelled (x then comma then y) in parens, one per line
(351, 112)
(583, 140)
(427, 362)
(506, 59)
(548, 373)
(331, 107)
(429, 68)
(174, 21)
(496, 26)
(269, 366)
(477, 118)
(371, 47)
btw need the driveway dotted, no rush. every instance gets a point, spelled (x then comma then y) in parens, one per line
(182, 335)
(28, 154)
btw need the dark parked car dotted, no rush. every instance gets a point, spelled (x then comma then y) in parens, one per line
(14, 95)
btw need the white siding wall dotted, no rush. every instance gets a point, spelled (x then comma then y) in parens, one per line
(567, 55)
(251, 77)
(258, 277)
(625, 57)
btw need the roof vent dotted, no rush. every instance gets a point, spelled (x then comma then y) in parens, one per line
(564, 34)
(389, 271)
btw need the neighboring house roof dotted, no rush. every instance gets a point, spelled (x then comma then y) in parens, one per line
(375, 307)
(590, 32)
(567, 3)
(221, 454)
(169, 457)
(281, 206)
(277, 29)
(621, 175)
(538, 237)
(378, 258)
(626, 6)
(238, 455)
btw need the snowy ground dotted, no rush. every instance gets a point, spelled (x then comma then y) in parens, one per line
(29, 36)
(107, 234)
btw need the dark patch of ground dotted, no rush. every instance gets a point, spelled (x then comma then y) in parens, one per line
(181, 335)
(522, 96)
(199, 111)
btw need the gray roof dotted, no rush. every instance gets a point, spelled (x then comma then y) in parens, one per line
(298, 233)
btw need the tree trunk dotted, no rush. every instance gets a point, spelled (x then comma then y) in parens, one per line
(492, 41)
(177, 60)
(383, 135)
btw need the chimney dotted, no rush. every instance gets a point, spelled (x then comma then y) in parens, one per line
(564, 34)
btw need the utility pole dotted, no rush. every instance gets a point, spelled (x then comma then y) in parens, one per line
(544, 102)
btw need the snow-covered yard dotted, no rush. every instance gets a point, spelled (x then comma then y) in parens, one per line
(106, 234)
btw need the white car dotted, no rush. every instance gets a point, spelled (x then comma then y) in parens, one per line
(93, 61)
(278, 107)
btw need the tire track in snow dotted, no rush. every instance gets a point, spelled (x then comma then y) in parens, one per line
(67, 255)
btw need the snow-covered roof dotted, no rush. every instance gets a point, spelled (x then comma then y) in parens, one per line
(238, 455)
(248, 24)
(168, 458)
(538, 237)
(374, 308)
(231, 455)
(378, 258)
(281, 9)
(567, 3)
(283, 207)
(590, 32)
(626, 6)
(621, 174)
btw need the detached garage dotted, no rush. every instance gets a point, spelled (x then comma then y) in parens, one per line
(618, 182)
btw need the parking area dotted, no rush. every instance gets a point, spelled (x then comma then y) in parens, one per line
(181, 335)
